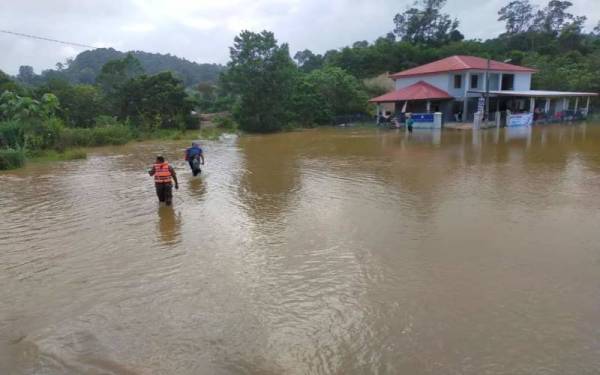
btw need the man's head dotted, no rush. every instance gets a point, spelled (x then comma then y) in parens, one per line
(195, 144)
(160, 159)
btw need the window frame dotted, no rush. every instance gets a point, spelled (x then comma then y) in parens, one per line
(459, 81)
(511, 80)
(476, 81)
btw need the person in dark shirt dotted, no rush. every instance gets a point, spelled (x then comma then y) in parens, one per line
(195, 157)
(164, 176)
(409, 122)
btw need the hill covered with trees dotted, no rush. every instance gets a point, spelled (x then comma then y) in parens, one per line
(85, 67)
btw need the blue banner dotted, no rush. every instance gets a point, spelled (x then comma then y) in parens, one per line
(422, 117)
(523, 119)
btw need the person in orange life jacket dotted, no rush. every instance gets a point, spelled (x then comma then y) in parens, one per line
(164, 175)
(195, 156)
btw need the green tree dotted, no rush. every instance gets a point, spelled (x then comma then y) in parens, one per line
(26, 74)
(79, 104)
(262, 76)
(554, 17)
(157, 101)
(517, 15)
(328, 92)
(7, 84)
(115, 73)
(425, 23)
(308, 61)
(30, 123)
(86, 76)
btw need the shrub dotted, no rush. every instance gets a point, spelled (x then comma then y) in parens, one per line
(32, 134)
(101, 136)
(106, 121)
(225, 122)
(11, 134)
(11, 158)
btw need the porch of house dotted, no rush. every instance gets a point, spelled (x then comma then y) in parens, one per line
(420, 97)
(545, 106)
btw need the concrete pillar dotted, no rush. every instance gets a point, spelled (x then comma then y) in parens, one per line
(531, 105)
(565, 104)
(587, 106)
(576, 104)
(466, 97)
(428, 106)
(500, 82)
(437, 120)
(547, 106)
(378, 112)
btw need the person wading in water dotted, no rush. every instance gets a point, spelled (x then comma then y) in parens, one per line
(164, 175)
(195, 156)
(409, 122)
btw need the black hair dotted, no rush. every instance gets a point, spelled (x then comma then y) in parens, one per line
(160, 159)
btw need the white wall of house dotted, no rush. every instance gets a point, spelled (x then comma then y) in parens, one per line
(456, 92)
(445, 81)
(522, 81)
(438, 80)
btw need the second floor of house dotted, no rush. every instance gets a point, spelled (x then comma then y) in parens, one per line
(467, 83)
(462, 76)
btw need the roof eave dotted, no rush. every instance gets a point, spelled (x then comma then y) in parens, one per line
(410, 75)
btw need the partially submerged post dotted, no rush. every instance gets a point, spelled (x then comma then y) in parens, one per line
(587, 107)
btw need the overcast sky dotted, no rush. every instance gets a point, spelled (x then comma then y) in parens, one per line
(202, 30)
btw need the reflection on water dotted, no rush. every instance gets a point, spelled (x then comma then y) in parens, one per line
(169, 225)
(318, 252)
(197, 188)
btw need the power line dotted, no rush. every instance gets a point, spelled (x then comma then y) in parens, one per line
(47, 39)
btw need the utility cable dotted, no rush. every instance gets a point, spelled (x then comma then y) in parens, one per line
(47, 39)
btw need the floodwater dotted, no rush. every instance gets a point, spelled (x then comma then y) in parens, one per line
(330, 251)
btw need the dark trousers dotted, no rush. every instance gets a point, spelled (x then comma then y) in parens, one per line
(195, 166)
(164, 193)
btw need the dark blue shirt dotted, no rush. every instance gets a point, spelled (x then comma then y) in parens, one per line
(193, 152)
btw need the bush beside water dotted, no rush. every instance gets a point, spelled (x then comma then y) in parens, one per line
(11, 158)
(88, 137)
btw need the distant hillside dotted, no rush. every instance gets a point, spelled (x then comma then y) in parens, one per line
(86, 66)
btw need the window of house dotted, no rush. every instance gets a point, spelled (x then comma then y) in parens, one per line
(508, 82)
(474, 81)
(457, 81)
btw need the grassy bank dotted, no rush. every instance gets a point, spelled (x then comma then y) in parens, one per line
(71, 143)
(54, 156)
(11, 159)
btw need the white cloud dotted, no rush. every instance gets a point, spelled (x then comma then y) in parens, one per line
(202, 30)
(138, 27)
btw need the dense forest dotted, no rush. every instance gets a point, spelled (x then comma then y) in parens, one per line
(86, 67)
(105, 96)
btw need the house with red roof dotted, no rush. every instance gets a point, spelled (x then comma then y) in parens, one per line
(454, 85)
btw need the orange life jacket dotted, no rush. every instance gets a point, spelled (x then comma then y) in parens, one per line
(162, 174)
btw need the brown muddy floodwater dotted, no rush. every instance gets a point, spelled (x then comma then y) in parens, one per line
(330, 251)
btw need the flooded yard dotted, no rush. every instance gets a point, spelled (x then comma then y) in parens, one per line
(326, 251)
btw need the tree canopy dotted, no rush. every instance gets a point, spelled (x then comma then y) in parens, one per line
(425, 23)
(87, 65)
(262, 75)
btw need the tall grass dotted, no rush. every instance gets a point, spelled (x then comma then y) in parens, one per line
(11, 158)
(100, 136)
(53, 155)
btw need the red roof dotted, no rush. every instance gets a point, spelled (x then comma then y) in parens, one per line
(457, 63)
(417, 91)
